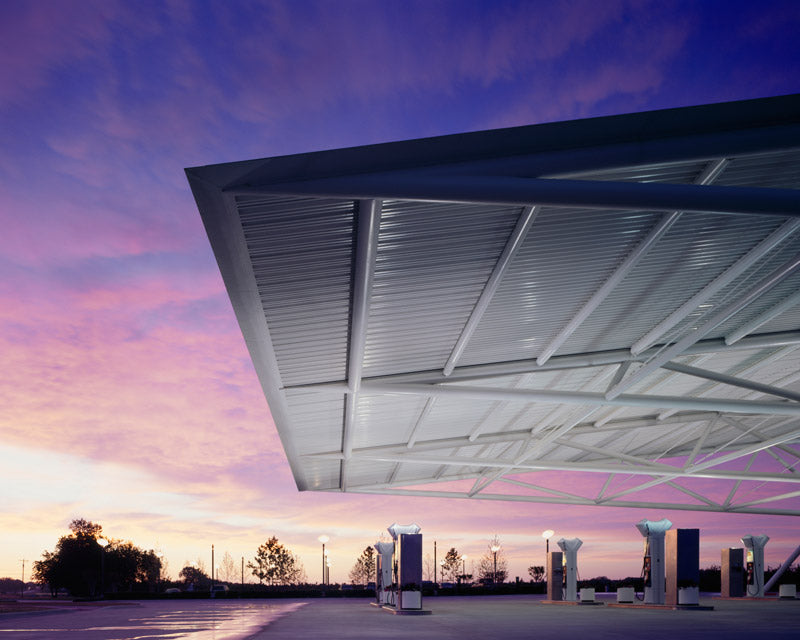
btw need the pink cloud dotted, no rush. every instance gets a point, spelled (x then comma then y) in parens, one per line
(89, 372)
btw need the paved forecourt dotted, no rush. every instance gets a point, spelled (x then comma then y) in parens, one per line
(506, 617)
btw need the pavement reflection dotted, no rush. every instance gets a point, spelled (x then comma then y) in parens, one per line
(159, 620)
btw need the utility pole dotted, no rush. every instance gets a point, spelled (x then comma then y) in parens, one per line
(242, 570)
(22, 589)
(434, 564)
(212, 568)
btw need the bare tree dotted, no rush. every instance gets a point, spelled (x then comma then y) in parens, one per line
(536, 572)
(427, 567)
(452, 565)
(492, 565)
(363, 570)
(227, 569)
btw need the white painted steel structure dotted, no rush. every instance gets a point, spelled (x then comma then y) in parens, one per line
(597, 312)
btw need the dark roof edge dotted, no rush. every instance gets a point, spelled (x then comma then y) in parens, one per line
(548, 138)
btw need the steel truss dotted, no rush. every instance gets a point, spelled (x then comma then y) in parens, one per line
(696, 395)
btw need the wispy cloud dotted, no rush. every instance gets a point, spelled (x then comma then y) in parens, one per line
(125, 377)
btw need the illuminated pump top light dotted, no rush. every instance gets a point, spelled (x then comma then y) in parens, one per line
(649, 527)
(397, 529)
(755, 542)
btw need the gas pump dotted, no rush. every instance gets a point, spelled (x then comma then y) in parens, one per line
(570, 567)
(732, 573)
(555, 576)
(653, 561)
(754, 572)
(407, 566)
(383, 579)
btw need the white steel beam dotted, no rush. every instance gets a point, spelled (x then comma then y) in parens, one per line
(720, 282)
(659, 383)
(591, 467)
(504, 437)
(536, 487)
(429, 403)
(369, 217)
(574, 361)
(763, 318)
(738, 483)
(701, 468)
(789, 467)
(577, 416)
(702, 440)
(355, 488)
(764, 285)
(522, 191)
(608, 286)
(768, 359)
(711, 172)
(691, 493)
(731, 380)
(580, 501)
(782, 496)
(495, 408)
(511, 249)
(745, 451)
(575, 397)
(604, 488)
(623, 457)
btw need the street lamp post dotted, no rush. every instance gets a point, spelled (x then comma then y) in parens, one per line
(464, 568)
(103, 544)
(323, 539)
(434, 565)
(547, 534)
(495, 548)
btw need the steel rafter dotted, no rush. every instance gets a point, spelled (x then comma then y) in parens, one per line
(522, 192)
(369, 217)
(763, 318)
(740, 371)
(446, 341)
(582, 502)
(731, 380)
(663, 473)
(511, 249)
(718, 284)
(711, 172)
(765, 284)
(572, 361)
(574, 397)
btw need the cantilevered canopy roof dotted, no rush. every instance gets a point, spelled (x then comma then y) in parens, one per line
(596, 312)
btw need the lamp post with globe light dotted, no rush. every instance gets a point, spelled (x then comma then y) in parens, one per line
(495, 548)
(547, 534)
(103, 544)
(323, 539)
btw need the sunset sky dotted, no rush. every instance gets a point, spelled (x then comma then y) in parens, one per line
(127, 396)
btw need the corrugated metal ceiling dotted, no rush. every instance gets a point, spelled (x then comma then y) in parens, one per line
(566, 345)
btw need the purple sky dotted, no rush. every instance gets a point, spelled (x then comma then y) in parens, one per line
(126, 392)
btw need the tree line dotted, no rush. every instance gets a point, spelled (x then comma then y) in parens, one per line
(86, 562)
